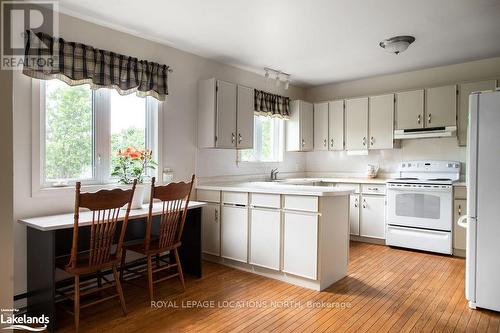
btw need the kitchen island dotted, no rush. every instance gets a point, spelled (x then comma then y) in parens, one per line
(294, 233)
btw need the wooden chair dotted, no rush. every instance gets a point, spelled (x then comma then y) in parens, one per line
(174, 199)
(105, 206)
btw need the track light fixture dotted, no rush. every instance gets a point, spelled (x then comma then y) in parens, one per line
(279, 77)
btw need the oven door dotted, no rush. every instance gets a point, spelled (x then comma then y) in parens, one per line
(420, 206)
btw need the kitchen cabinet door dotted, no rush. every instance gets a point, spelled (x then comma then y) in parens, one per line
(244, 118)
(459, 233)
(441, 106)
(354, 214)
(265, 240)
(336, 125)
(226, 115)
(356, 120)
(464, 90)
(321, 126)
(234, 233)
(372, 216)
(306, 126)
(381, 122)
(410, 109)
(210, 229)
(300, 244)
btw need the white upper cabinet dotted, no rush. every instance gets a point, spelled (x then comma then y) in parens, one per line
(441, 106)
(225, 115)
(381, 122)
(321, 126)
(356, 123)
(244, 117)
(336, 125)
(299, 128)
(464, 90)
(410, 109)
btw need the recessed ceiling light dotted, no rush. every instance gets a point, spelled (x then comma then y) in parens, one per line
(397, 44)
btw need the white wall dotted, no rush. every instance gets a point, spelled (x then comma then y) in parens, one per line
(446, 148)
(179, 123)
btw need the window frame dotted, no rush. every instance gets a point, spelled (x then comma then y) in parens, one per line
(278, 142)
(101, 106)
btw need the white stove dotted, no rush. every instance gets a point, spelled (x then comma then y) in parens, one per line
(420, 205)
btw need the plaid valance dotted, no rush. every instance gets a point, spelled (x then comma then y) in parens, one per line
(267, 104)
(47, 58)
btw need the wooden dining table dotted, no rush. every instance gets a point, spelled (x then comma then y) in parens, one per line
(50, 237)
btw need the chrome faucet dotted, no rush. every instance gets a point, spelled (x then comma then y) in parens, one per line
(274, 174)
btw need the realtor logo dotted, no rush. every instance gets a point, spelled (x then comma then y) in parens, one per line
(19, 16)
(10, 319)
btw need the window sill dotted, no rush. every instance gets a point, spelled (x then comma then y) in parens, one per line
(58, 191)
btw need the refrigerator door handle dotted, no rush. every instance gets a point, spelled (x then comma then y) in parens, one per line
(462, 221)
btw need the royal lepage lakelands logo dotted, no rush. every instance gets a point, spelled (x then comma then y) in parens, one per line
(17, 18)
(11, 320)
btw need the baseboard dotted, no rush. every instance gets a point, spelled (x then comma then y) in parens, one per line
(368, 240)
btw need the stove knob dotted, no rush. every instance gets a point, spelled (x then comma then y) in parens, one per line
(450, 165)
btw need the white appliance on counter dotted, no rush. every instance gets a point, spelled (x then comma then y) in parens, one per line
(482, 283)
(420, 206)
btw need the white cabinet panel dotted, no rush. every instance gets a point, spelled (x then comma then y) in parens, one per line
(301, 202)
(381, 122)
(321, 126)
(226, 114)
(236, 198)
(266, 200)
(410, 109)
(354, 214)
(372, 216)
(244, 117)
(234, 233)
(210, 229)
(459, 233)
(465, 90)
(441, 106)
(300, 237)
(208, 195)
(265, 231)
(299, 128)
(336, 125)
(356, 120)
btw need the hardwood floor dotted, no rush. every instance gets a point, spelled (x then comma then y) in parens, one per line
(387, 290)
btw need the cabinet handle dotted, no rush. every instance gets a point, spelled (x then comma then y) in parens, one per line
(364, 203)
(429, 117)
(356, 203)
(418, 119)
(303, 142)
(372, 141)
(331, 143)
(324, 142)
(372, 188)
(240, 138)
(233, 137)
(364, 141)
(216, 216)
(459, 210)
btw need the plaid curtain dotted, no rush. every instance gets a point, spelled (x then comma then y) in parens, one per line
(75, 63)
(267, 104)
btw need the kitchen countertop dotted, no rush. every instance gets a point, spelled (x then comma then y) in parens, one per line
(276, 188)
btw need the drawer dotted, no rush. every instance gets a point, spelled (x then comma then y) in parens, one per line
(419, 239)
(265, 200)
(236, 198)
(208, 195)
(373, 189)
(344, 186)
(301, 202)
(460, 192)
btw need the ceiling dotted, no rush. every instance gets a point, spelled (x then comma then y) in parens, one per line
(316, 41)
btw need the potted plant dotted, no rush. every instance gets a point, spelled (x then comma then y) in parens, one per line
(133, 163)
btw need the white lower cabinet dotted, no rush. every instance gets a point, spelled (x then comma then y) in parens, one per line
(372, 216)
(265, 240)
(300, 244)
(459, 233)
(210, 229)
(354, 214)
(234, 233)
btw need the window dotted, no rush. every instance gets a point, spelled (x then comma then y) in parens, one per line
(268, 141)
(82, 130)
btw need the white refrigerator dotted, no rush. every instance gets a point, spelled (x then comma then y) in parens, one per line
(483, 202)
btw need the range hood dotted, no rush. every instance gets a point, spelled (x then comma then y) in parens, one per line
(429, 132)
